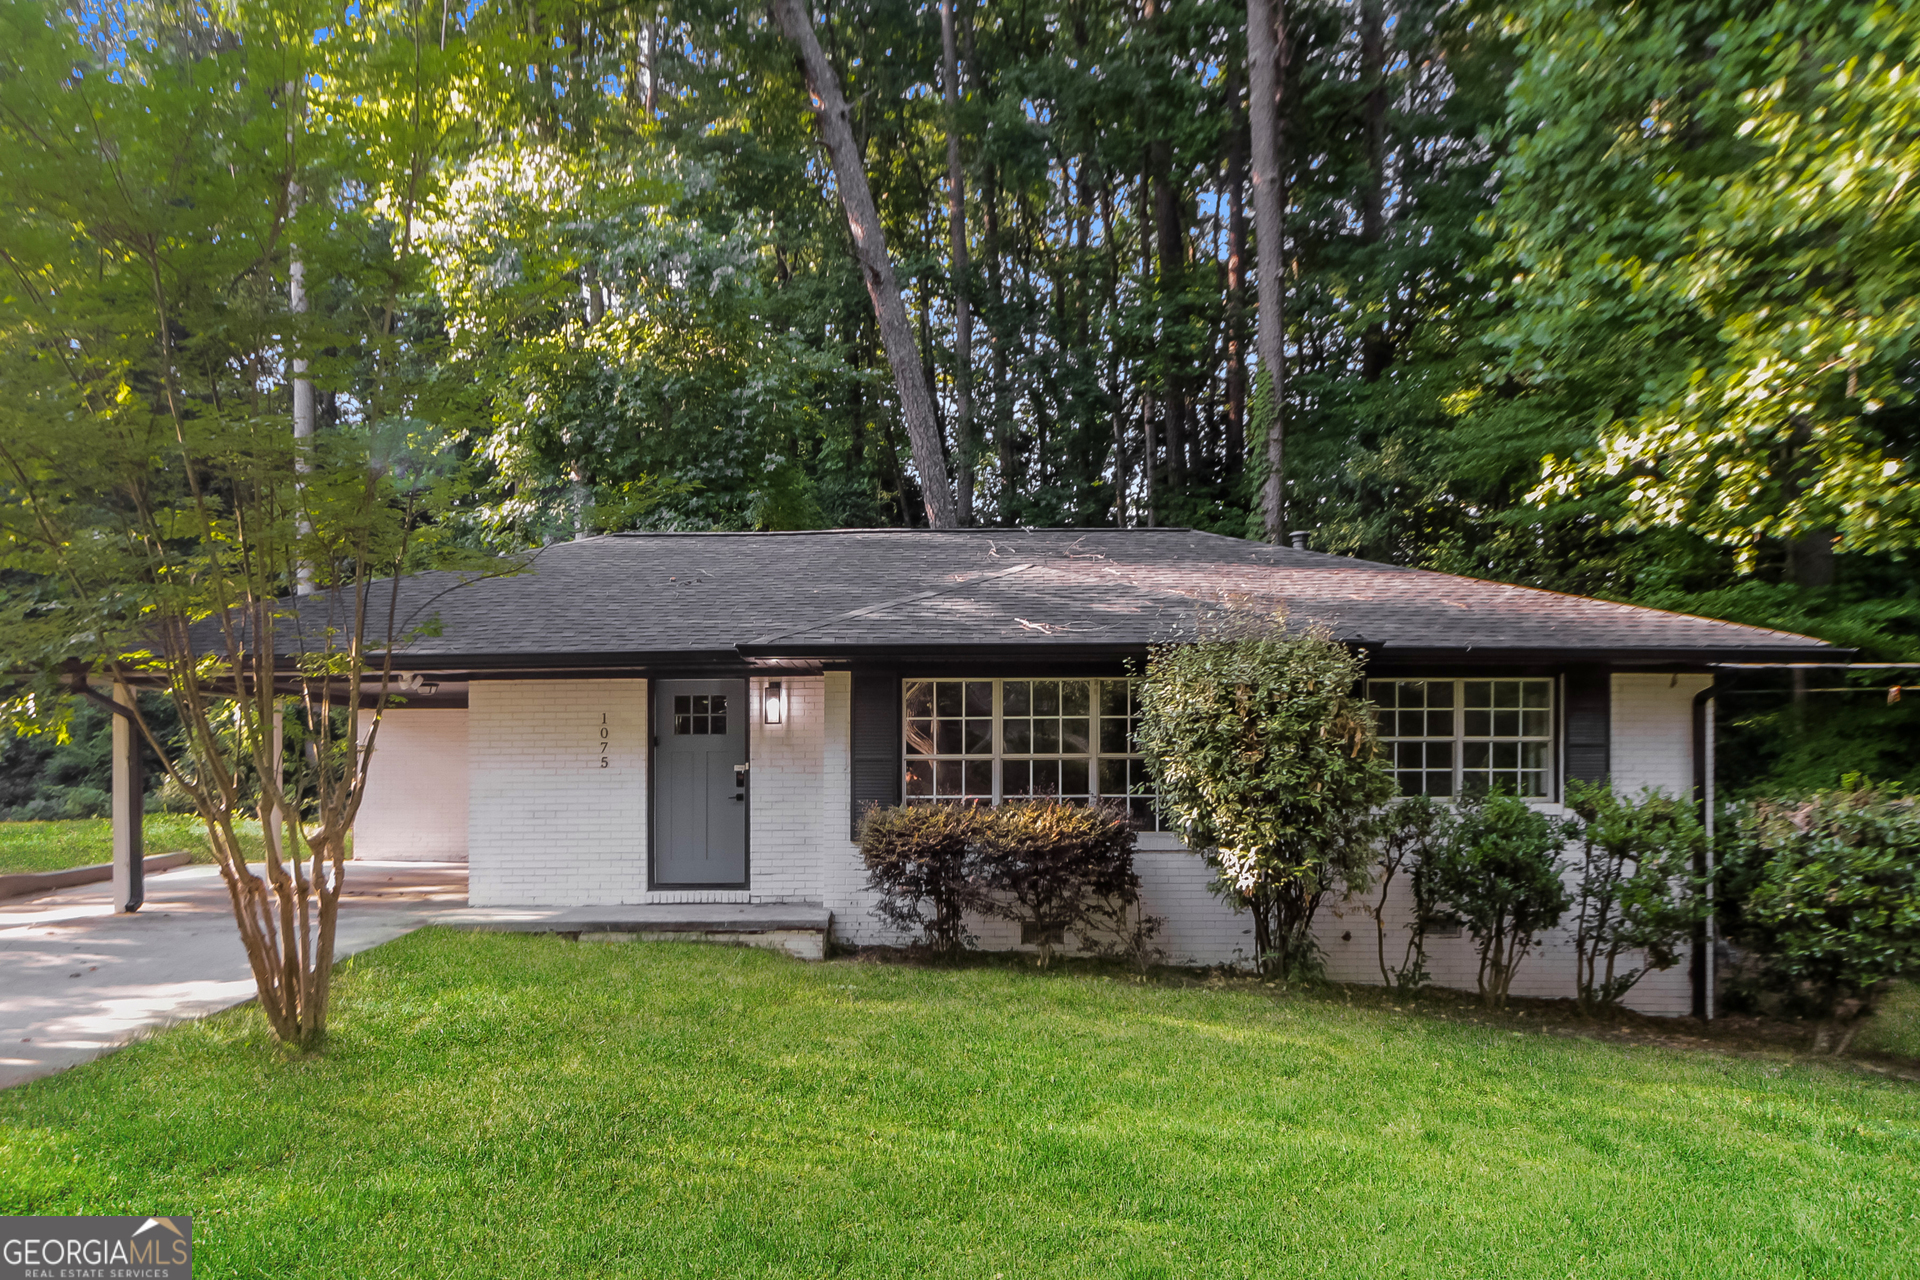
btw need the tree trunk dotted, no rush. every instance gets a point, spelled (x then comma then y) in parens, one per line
(302, 406)
(957, 233)
(1376, 347)
(1002, 408)
(1810, 559)
(1171, 251)
(830, 115)
(1236, 441)
(1373, 63)
(1116, 395)
(647, 60)
(1266, 41)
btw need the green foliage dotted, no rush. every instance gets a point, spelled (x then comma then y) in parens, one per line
(1638, 889)
(1051, 866)
(1501, 873)
(1264, 761)
(1830, 897)
(1416, 828)
(922, 861)
(1048, 865)
(621, 342)
(167, 180)
(88, 842)
(1710, 248)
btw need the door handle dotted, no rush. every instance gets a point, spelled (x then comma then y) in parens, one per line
(740, 795)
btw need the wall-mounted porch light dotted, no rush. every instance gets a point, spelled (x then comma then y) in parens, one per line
(774, 704)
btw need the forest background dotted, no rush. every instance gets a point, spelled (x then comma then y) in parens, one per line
(1616, 299)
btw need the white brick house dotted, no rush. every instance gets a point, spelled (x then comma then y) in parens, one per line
(699, 718)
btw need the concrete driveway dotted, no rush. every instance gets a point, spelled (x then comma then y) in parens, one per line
(77, 981)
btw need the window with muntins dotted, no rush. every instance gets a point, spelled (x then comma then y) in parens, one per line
(1466, 737)
(987, 741)
(700, 713)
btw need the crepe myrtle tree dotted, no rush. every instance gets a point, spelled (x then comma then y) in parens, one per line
(179, 578)
(1263, 756)
(160, 505)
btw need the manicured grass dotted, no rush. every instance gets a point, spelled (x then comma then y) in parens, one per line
(504, 1105)
(82, 842)
(1896, 1023)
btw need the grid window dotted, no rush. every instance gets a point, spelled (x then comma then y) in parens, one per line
(984, 741)
(1415, 720)
(700, 713)
(1123, 773)
(1507, 733)
(949, 740)
(1466, 737)
(1046, 734)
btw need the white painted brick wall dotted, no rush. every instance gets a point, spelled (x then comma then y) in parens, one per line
(1653, 732)
(547, 825)
(415, 808)
(787, 802)
(1652, 746)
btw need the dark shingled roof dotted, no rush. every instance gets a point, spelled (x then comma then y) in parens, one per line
(659, 596)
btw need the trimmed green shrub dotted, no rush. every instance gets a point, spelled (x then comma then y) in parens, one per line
(923, 861)
(1051, 867)
(1637, 890)
(1416, 827)
(1262, 755)
(1500, 872)
(1829, 900)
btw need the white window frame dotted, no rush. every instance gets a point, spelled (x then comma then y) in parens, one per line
(1553, 740)
(999, 754)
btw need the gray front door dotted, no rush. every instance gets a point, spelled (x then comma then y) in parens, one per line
(700, 783)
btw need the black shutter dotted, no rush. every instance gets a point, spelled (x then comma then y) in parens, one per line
(876, 742)
(1589, 724)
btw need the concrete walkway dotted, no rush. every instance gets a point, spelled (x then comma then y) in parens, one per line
(77, 981)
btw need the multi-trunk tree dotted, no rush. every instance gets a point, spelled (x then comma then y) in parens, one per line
(160, 512)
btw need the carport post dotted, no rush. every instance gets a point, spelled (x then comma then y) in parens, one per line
(129, 806)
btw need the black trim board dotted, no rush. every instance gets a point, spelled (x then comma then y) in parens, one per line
(1589, 724)
(873, 730)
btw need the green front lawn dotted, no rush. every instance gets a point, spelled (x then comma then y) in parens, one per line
(502, 1105)
(1896, 1023)
(83, 842)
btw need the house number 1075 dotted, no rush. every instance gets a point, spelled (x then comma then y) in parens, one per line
(603, 739)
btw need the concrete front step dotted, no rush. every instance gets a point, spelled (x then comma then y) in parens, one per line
(799, 929)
